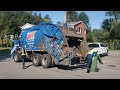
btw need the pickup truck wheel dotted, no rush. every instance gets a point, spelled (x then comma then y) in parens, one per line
(36, 60)
(107, 54)
(46, 61)
(16, 57)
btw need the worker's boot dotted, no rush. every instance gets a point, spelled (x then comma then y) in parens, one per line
(88, 70)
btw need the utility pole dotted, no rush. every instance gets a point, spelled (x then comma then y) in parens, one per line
(65, 17)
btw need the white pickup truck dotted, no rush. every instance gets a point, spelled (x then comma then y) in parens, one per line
(102, 48)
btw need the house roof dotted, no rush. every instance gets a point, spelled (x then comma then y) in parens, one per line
(71, 24)
(71, 32)
(27, 25)
(74, 23)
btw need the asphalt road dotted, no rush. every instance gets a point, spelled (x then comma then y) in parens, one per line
(109, 70)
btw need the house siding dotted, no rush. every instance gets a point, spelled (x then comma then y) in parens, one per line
(82, 27)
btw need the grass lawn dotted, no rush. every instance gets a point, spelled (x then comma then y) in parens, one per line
(4, 51)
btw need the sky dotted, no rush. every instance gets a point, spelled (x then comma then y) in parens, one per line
(95, 17)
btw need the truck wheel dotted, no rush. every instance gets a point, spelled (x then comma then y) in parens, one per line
(107, 54)
(46, 61)
(36, 60)
(16, 57)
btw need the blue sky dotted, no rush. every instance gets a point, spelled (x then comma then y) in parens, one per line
(95, 17)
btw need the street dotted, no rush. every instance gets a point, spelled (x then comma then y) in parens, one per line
(109, 70)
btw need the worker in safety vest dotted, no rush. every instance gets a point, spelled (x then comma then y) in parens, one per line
(23, 56)
(94, 67)
(89, 58)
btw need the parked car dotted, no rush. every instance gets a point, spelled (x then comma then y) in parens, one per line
(102, 48)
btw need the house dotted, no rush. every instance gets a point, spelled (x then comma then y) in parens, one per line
(27, 25)
(80, 28)
(75, 29)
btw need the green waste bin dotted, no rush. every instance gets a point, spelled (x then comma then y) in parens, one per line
(94, 64)
(94, 67)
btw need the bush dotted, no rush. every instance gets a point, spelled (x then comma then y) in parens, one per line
(114, 45)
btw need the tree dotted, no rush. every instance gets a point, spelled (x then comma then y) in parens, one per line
(59, 22)
(106, 24)
(91, 37)
(84, 18)
(11, 21)
(47, 18)
(113, 14)
(71, 16)
(115, 31)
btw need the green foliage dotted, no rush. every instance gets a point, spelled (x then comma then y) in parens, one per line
(11, 21)
(47, 19)
(114, 44)
(98, 36)
(113, 14)
(106, 24)
(72, 16)
(111, 30)
(115, 31)
(58, 22)
(91, 37)
(83, 17)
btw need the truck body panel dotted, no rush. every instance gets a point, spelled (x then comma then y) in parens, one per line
(46, 37)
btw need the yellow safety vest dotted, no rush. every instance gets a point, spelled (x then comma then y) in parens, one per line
(91, 51)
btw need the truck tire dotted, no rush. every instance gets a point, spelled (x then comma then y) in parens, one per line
(36, 60)
(107, 54)
(46, 61)
(16, 57)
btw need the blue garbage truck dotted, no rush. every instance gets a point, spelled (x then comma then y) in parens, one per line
(45, 44)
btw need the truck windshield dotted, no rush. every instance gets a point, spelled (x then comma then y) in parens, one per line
(93, 45)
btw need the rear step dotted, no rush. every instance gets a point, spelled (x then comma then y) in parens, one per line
(75, 65)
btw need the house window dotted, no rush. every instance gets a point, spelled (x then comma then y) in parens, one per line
(80, 30)
(76, 28)
(84, 31)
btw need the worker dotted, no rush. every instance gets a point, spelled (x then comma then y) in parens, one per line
(15, 46)
(94, 67)
(23, 57)
(89, 58)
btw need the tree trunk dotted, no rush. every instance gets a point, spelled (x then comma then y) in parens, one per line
(2, 43)
(115, 15)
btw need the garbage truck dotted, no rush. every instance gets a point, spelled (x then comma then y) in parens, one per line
(45, 45)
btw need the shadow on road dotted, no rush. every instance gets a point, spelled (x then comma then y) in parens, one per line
(4, 58)
(72, 68)
(28, 66)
